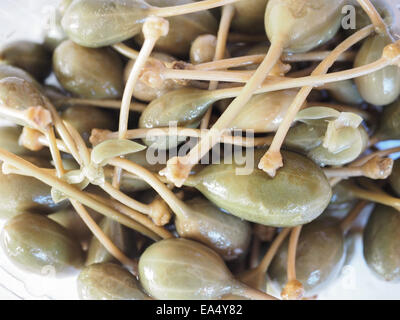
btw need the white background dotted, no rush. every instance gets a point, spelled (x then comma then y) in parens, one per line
(25, 19)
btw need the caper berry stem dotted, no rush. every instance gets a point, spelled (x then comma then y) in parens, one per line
(293, 289)
(227, 14)
(375, 17)
(55, 153)
(202, 75)
(380, 153)
(189, 8)
(103, 239)
(110, 104)
(108, 188)
(363, 160)
(153, 29)
(266, 261)
(293, 241)
(352, 216)
(99, 135)
(62, 130)
(374, 196)
(123, 198)
(177, 205)
(26, 117)
(144, 225)
(256, 277)
(80, 209)
(375, 168)
(80, 144)
(272, 160)
(312, 80)
(126, 51)
(258, 58)
(178, 168)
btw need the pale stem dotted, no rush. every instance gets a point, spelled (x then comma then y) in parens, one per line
(178, 168)
(380, 153)
(375, 17)
(277, 84)
(123, 198)
(80, 144)
(109, 104)
(272, 160)
(363, 160)
(291, 260)
(20, 116)
(102, 237)
(177, 206)
(204, 75)
(258, 58)
(352, 216)
(254, 252)
(108, 188)
(163, 233)
(266, 261)
(227, 14)
(189, 8)
(302, 72)
(55, 153)
(62, 131)
(99, 136)
(90, 223)
(144, 225)
(145, 51)
(153, 29)
(344, 173)
(126, 51)
(374, 196)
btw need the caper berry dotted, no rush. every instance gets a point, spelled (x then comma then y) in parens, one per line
(108, 281)
(34, 241)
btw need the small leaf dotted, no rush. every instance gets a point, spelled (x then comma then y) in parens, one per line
(348, 119)
(57, 195)
(339, 139)
(95, 174)
(73, 177)
(114, 148)
(316, 113)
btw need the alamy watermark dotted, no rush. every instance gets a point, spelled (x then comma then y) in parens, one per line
(349, 20)
(225, 146)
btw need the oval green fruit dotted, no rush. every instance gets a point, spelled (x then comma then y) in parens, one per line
(381, 87)
(304, 24)
(34, 242)
(88, 73)
(99, 23)
(298, 194)
(382, 243)
(180, 269)
(228, 235)
(29, 56)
